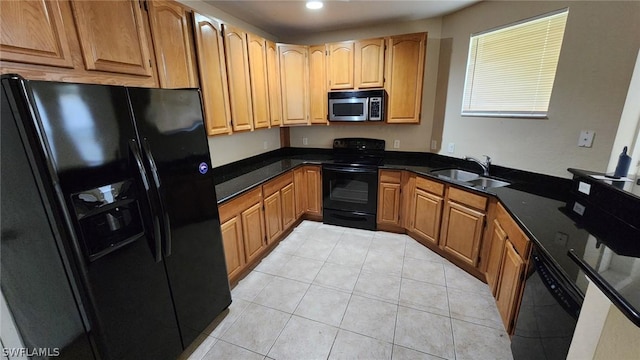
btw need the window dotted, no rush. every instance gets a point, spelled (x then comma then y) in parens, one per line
(510, 70)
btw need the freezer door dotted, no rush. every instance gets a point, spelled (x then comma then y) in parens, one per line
(34, 281)
(91, 146)
(171, 131)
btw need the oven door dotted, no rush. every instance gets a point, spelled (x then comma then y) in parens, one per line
(349, 109)
(350, 188)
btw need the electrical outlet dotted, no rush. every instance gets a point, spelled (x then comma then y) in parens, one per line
(434, 144)
(305, 141)
(586, 138)
(451, 148)
(265, 145)
(396, 144)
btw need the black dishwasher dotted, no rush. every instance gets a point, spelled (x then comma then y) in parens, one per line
(548, 313)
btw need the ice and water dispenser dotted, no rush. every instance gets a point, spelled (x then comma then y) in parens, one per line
(108, 217)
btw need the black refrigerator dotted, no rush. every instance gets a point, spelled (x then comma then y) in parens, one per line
(111, 245)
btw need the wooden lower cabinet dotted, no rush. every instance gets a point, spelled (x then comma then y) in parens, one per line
(253, 231)
(313, 177)
(273, 216)
(462, 225)
(288, 206)
(426, 215)
(510, 285)
(508, 256)
(300, 183)
(494, 259)
(389, 194)
(243, 232)
(279, 206)
(233, 247)
(425, 210)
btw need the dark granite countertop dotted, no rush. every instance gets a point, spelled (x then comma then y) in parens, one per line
(537, 202)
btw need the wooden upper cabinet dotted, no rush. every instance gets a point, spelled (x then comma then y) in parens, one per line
(235, 48)
(369, 63)
(318, 84)
(294, 80)
(340, 65)
(33, 32)
(404, 77)
(112, 36)
(257, 47)
(213, 74)
(172, 44)
(273, 76)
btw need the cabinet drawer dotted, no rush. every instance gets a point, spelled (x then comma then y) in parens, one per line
(392, 177)
(431, 186)
(519, 240)
(467, 198)
(277, 183)
(239, 204)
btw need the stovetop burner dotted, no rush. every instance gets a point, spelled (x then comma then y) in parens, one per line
(358, 152)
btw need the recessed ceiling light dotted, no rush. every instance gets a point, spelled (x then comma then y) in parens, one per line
(314, 5)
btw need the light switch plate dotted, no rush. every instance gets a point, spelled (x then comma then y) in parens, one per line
(305, 141)
(586, 138)
(396, 144)
(434, 144)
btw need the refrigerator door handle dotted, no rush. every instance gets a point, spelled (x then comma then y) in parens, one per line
(156, 179)
(133, 147)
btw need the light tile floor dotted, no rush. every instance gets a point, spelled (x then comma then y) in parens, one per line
(328, 292)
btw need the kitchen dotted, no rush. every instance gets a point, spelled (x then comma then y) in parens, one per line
(541, 146)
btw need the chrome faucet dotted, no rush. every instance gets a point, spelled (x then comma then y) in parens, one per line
(485, 165)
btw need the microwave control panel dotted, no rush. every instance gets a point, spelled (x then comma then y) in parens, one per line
(375, 108)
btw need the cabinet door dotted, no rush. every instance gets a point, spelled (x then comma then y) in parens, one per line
(253, 231)
(341, 65)
(273, 75)
(494, 259)
(288, 206)
(389, 203)
(300, 191)
(294, 80)
(273, 216)
(235, 49)
(427, 212)
(232, 241)
(172, 44)
(369, 63)
(33, 32)
(509, 285)
(213, 75)
(317, 84)
(405, 73)
(259, 84)
(462, 232)
(314, 190)
(112, 36)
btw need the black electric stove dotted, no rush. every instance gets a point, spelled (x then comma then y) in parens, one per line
(350, 183)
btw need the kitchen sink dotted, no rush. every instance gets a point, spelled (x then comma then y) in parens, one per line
(456, 174)
(469, 178)
(484, 183)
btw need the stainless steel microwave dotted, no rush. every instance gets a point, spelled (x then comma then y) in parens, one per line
(363, 105)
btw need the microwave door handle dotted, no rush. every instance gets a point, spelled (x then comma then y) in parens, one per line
(365, 109)
(166, 236)
(133, 147)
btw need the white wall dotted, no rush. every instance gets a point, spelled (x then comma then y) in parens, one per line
(596, 62)
(229, 148)
(412, 137)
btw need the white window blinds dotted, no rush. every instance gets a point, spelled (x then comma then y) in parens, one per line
(510, 71)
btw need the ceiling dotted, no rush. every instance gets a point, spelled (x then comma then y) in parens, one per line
(281, 18)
